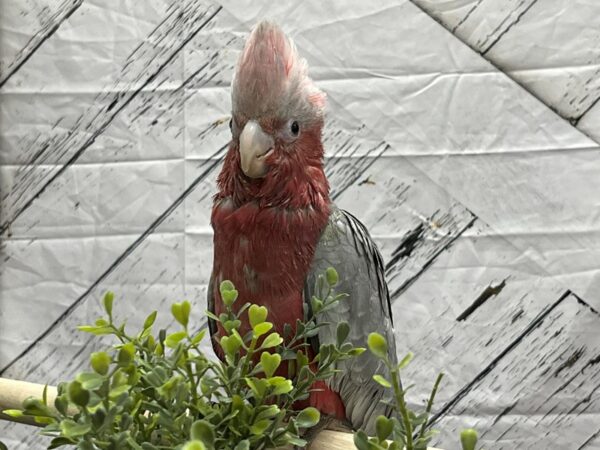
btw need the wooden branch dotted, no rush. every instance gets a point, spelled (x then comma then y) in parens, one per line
(13, 392)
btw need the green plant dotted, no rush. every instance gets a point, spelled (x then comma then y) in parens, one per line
(162, 392)
(406, 430)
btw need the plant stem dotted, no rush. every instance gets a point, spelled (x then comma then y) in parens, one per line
(399, 394)
(430, 403)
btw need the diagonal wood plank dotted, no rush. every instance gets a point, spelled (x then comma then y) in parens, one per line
(36, 23)
(550, 48)
(141, 68)
(545, 392)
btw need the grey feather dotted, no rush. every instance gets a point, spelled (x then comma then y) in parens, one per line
(346, 245)
(210, 303)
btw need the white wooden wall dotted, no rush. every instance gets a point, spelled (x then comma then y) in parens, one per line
(463, 133)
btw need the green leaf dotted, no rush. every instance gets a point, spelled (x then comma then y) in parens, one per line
(201, 430)
(60, 442)
(405, 361)
(243, 445)
(100, 362)
(71, 429)
(268, 412)
(108, 303)
(270, 363)
(78, 394)
(3, 446)
(35, 407)
(357, 351)
(378, 345)
(262, 328)
(126, 354)
(181, 312)
(332, 276)
(280, 385)
(173, 339)
(90, 380)
(95, 330)
(342, 331)
(382, 381)
(257, 314)
(231, 344)
(260, 426)
(225, 286)
(199, 336)
(258, 386)
(362, 442)
(383, 427)
(61, 404)
(117, 391)
(308, 417)
(194, 445)
(16, 413)
(316, 305)
(229, 297)
(272, 340)
(468, 439)
(86, 445)
(150, 320)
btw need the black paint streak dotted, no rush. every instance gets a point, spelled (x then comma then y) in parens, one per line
(213, 161)
(359, 168)
(37, 40)
(466, 17)
(535, 323)
(517, 316)
(500, 35)
(409, 242)
(506, 411)
(582, 302)
(109, 119)
(430, 261)
(570, 361)
(589, 441)
(488, 292)
(575, 120)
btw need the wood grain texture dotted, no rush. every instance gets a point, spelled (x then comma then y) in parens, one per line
(25, 26)
(550, 48)
(546, 393)
(480, 23)
(40, 167)
(424, 139)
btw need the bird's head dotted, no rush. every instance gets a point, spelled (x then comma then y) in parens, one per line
(277, 112)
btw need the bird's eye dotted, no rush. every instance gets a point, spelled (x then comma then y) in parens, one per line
(295, 128)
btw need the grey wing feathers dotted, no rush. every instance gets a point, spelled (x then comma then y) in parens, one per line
(210, 303)
(347, 246)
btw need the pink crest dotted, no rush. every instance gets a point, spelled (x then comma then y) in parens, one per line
(272, 79)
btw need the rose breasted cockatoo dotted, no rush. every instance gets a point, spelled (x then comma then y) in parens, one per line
(276, 230)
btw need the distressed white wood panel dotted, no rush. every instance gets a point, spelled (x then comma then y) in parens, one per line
(143, 68)
(543, 202)
(545, 393)
(550, 47)
(473, 301)
(451, 113)
(589, 122)
(25, 26)
(480, 23)
(554, 52)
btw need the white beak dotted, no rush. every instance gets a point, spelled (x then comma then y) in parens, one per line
(255, 146)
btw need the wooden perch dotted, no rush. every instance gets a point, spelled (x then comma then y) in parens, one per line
(13, 392)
